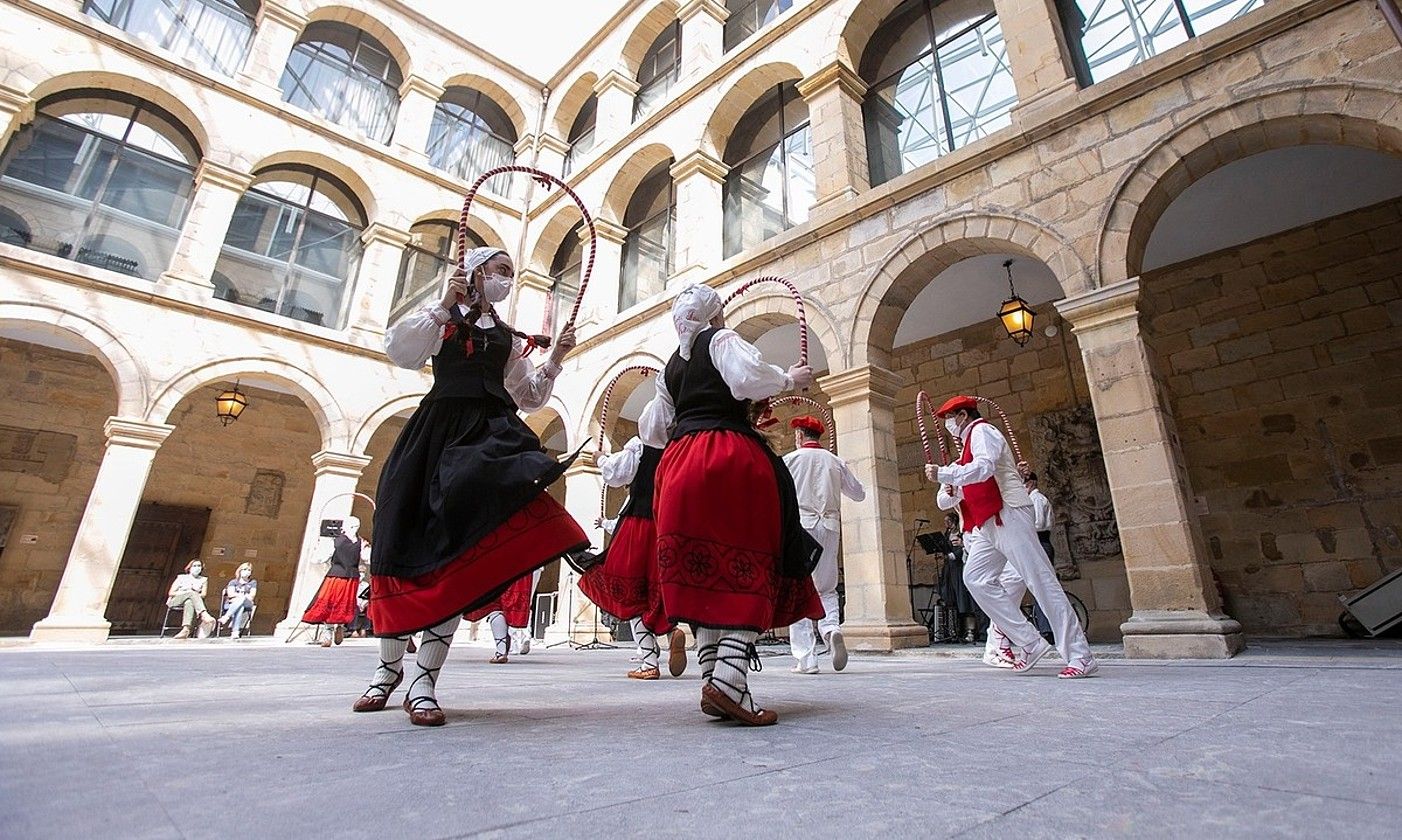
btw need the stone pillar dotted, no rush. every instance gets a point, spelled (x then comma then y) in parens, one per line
(698, 233)
(834, 95)
(575, 614)
(878, 615)
(601, 298)
(337, 475)
(1038, 57)
(615, 113)
(1177, 614)
(532, 301)
(79, 610)
(552, 155)
(16, 109)
(276, 34)
(217, 192)
(418, 97)
(375, 280)
(703, 36)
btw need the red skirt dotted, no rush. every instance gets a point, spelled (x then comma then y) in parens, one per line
(514, 603)
(719, 537)
(334, 602)
(532, 537)
(626, 584)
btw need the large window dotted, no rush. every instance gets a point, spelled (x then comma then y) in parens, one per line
(770, 186)
(659, 71)
(470, 135)
(427, 262)
(211, 34)
(293, 246)
(581, 137)
(939, 79)
(1107, 36)
(750, 16)
(565, 271)
(100, 179)
(343, 75)
(647, 252)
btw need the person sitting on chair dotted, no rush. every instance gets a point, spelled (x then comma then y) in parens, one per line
(239, 595)
(188, 593)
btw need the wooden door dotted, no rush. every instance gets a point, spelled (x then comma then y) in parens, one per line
(163, 539)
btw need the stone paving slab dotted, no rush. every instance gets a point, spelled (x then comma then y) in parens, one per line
(256, 739)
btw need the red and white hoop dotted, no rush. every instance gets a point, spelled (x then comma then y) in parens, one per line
(809, 401)
(798, 306)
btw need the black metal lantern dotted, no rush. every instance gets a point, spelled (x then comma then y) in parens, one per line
(230, 404)
(1015, 314)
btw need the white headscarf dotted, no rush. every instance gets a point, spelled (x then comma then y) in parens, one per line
(476, 258)
(692, 312)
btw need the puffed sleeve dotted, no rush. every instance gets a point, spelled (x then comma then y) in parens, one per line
(528, 385)
(658, 418)
(416, 337)
(749, 376)
(621, 467)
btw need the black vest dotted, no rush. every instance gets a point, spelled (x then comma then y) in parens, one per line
(702, 399)
(640, 491)
(345, 558)
(478, 376)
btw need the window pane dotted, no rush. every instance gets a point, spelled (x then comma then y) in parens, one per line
(1119, 34)
(214, 35)
(322, 77)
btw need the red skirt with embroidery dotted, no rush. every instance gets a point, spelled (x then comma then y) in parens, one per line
(334, 602)
(626, 584)
(480, 576)
(719, 537)
(514, 603)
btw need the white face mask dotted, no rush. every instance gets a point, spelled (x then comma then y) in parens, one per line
(952, 425)
(497, 287)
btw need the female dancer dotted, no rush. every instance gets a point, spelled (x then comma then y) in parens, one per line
(462, 508)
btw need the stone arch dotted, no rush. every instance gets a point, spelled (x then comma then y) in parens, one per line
(767, 308)
(1347, 115)
(743, 93)
(569, 103)
(475, 224)
(586, 426)
(360, 440)
(543, 420)
(944, 243)
(860, 20)
(497, 94)
(329, 165)
(630, 175)
(335, 427)
(129, 378)
(552, 235)
(368, 23)
(657, 18)
(106, 81)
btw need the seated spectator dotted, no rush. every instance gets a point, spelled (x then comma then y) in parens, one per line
(188, 593)
(239, 595)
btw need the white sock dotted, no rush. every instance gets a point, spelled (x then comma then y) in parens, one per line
(648, 651)
(391, 666)
(734, 656)
(423, 674)
(500, 632)
(706, 641)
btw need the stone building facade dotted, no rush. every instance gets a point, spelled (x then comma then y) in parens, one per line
(1205, 212)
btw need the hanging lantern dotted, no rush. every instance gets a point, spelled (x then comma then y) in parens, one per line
(230, 404)
(1015, 314)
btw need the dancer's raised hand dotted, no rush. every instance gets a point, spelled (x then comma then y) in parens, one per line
(563, 345)
(802, 376)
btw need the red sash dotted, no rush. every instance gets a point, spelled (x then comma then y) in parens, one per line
(982, 501)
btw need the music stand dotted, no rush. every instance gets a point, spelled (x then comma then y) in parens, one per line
(932, 544)
(593, 644)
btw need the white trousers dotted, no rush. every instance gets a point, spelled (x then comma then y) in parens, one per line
(990, 550)
(801, 639)
(1012, 582)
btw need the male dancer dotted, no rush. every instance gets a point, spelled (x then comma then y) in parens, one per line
(997, 516)
(820, 477)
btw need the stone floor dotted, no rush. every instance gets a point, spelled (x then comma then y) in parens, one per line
(256, 739)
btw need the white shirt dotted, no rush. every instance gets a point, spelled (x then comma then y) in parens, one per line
(739, 364)
(821, 478)
(620, 468)
(991, 458)
(1041, 511)
(419, 335)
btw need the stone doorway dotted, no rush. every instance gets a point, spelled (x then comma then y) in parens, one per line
(163, 539)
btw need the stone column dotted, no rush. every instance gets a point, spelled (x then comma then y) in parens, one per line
(418, 97)
(217, 192)
(834, 95)
(601, 298)
(575, 614)
(1177, 614)
(375, 280)
(552, 155)
(79, 610)
(877, 584)
(615, 113)
(337, 475)
(1038, 57)
(276, 34)
(531, 302)
(698, 233)
(703, 36)
(16, 109)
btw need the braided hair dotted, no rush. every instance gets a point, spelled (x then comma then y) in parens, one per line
(477, 306)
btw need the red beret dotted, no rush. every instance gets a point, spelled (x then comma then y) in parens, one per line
(957, 404)
(810, 424)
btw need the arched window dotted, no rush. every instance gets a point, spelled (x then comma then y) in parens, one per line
(647, 251)
(343, 75)
(750, 16)
(426, 265)
(100, 178)
(581, 137)
(293, 245)
(939, 79)
(470, 135)
(565, 270)
(659, 71)
(1106, 38)
(214, 35)
(770, 186)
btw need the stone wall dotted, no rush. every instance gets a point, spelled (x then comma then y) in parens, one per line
(1285, 370)
(51, 443)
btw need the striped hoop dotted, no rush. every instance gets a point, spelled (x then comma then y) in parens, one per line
(798, 305)
(646, 371)
(924, 409)
(827, 415)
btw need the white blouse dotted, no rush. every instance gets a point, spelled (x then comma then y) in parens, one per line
(419, 335)
(620, 468)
